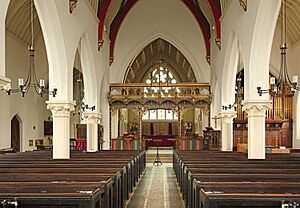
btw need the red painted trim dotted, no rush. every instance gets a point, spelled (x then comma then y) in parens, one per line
(102, 10)
(116, 24)
(202, 22)
(216, 10)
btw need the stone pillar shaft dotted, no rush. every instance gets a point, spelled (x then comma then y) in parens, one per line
(92, 119)
(61, 127)
(227, 129)
(256, 127)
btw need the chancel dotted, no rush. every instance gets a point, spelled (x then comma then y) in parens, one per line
(149, 103)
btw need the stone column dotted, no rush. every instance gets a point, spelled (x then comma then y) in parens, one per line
(227, 117)
(61, 111)
(114, 124)
(4, 83)
(92, 119)
(256, 111)
(196, 121)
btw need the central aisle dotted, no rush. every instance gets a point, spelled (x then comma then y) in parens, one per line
(157, 188)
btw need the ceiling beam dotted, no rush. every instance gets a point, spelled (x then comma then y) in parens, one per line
(116, 24)
(102, 10)
(215, 7)
(144, 56)
(151, 49)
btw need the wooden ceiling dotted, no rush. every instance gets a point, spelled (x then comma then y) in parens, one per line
(160, 50)
(17, 21)
(112, 11)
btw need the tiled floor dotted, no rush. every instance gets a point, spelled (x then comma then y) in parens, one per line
(157, 189)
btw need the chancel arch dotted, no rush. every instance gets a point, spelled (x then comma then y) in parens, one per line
(159, 53)
(159, 98)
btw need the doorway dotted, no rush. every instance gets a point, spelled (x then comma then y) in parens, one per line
(15, 133)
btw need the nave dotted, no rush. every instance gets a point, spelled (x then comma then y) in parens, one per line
(117, 179)
(157, 188)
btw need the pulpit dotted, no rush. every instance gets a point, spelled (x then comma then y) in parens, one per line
(212, 138)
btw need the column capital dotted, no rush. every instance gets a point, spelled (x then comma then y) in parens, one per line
(256, 107)
(60, 108)
(91, 117)
(228, 114)
(4, 83)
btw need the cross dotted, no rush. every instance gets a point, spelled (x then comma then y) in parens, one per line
(215, 118)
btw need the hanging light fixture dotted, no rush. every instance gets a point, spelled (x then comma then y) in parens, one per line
(284, 84)
(31, 80)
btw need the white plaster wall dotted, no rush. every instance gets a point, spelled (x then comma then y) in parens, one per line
(31, 109)
(3, 10)
(294, 70)
(167, 19)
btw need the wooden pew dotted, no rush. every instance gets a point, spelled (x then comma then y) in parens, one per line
(64, 177)
(201, 175)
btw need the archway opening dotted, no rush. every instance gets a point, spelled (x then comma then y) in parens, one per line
(16, 133)
(158, 101)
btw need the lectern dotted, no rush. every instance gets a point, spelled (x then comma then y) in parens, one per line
(157, 160)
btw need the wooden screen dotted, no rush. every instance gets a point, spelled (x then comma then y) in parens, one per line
(160, 128)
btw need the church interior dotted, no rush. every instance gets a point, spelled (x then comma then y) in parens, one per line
(149, 103)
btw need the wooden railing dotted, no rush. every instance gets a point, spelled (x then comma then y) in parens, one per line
(172, 95)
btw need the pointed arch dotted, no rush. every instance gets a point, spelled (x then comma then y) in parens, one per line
(16, 133)
(199, 74)
(56, 50)
(258, 52)
(230, 69)
(88, 70)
